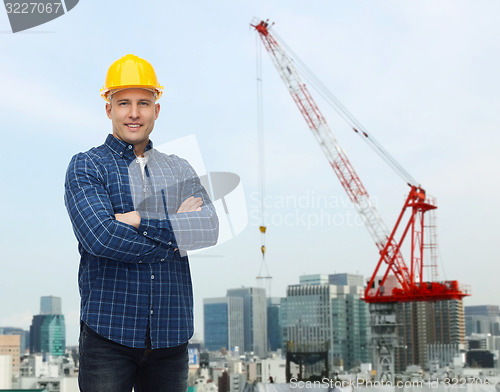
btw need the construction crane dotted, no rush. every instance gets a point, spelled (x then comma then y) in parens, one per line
(393, 280)
(410, 284)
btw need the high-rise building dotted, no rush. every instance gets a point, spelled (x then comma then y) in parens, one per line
(50, 305)
(254, 318)
(482, 319)
(223, 323)
(48, 329)
(48, 334)
(274, 329)
(350, 323)
(332, 316)
(283, 316)
(424, 326)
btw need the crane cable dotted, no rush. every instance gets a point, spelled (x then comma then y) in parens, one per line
(261, 156)
(357, 127)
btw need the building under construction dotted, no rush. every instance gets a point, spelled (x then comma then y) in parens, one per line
(429, 332)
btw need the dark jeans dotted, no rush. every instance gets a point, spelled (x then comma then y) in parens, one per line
(106, 366)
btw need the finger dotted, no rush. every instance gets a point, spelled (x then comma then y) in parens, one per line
(192, 202)
(197, 202)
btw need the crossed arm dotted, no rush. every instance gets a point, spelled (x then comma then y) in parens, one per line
(128, 237)
(133, 218)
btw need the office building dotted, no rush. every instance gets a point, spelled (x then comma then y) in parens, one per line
(254, 318)
(50, 305)
(48, 329)
(223, 323)
(274, 329)
(322, 316)
(482, 319)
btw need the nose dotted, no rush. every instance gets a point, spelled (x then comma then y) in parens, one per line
(134, 111)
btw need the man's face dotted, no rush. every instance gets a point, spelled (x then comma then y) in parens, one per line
(133, 113)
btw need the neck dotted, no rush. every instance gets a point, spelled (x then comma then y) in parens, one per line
(139, 148)
(139, 151)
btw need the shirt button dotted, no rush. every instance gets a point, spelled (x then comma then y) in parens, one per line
(137, 161)
(145, 233)
(152, 276)
(169, 243)
(162, 260)
(151, 311)
(129, 147)
(140, 261)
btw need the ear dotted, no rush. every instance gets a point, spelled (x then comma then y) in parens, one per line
(157, 110)
(108, 110)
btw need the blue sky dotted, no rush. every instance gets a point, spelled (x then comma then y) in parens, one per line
(421, 76)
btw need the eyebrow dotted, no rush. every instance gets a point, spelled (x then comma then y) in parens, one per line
(139, 100)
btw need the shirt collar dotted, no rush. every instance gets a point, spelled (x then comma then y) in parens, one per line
(122, 148)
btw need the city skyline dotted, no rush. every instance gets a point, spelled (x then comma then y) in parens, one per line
(313, 279)
(420, 76)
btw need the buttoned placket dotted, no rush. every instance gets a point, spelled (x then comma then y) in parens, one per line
(151, 310)
(147, 199)
(146, 188)
(151, 303)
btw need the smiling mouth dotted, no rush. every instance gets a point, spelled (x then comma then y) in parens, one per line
(133, 126)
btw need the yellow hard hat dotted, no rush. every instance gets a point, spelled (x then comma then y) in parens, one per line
(131, 72)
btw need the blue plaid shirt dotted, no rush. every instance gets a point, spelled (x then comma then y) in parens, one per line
(136, 280)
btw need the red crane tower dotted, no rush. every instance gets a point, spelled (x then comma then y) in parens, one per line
(393, 280)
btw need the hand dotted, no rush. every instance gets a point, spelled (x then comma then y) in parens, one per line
(132, 218)
(191, 204)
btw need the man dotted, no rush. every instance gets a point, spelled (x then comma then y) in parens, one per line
(134, 212)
